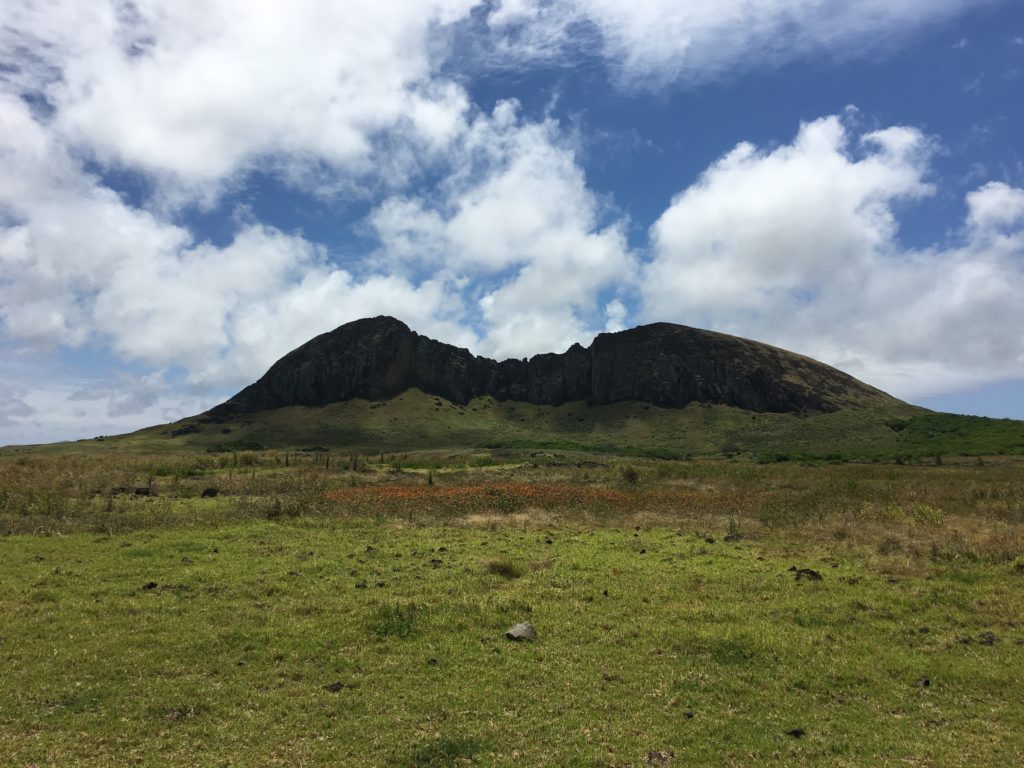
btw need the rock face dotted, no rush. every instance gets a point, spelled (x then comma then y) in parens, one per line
(662, 364)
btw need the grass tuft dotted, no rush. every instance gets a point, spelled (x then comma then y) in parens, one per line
(444, 752)
(504, 568)
(393, 620)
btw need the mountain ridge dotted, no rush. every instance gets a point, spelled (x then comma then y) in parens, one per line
(661, 364)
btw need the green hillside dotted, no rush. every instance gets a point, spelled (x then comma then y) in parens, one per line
(417, 421)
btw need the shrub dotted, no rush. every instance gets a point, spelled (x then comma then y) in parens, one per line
(394, 621)
(504, 568)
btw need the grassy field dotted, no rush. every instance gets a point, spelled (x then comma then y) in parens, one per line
(350, 610)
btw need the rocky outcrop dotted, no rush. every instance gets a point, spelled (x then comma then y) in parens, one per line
(662, 364)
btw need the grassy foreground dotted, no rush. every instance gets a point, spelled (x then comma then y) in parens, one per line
(316, 616)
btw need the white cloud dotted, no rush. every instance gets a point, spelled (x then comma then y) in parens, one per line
(994, 207)
(798, 246)
(78, 265)
(516, 220)
(651, 42)
(57, 403)
(13, 406)
(197, 92)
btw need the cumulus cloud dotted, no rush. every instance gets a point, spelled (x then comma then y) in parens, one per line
(516, 222)
(652, 42)
(78, 265)
(799, 246)
(55, 402)
(197, 92)
(13, 407)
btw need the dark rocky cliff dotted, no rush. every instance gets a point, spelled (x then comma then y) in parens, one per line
(663, 364)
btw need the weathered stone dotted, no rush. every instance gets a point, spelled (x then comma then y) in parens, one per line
(662, 364)
(522, 632)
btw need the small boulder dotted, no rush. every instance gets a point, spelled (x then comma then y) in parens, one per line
(808, 573)
(522, 632)
(209, 493)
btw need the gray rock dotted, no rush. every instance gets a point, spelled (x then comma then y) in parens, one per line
(662, 364)
(523, 631)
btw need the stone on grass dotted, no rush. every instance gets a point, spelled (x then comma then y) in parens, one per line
(521, 632)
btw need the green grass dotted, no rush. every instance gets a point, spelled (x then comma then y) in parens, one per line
(327, 609)
(375, 643)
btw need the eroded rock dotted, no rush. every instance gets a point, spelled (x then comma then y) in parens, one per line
(661, 364)
(522, 632)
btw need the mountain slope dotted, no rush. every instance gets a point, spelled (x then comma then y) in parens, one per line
(660, 364)
(660, 389)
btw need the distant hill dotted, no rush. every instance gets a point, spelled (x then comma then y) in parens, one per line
(659, 390)
(661, 364)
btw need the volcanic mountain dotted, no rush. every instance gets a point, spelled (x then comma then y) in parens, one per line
(660, 364)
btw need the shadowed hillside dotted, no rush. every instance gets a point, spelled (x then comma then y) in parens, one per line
(660, 364)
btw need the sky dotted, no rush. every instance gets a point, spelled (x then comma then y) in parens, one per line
(189, 190)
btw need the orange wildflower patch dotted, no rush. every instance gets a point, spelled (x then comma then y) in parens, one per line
(468, 499)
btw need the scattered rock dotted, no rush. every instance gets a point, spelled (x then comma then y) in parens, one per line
(660, 757)
(709, 539)
(808, 573)
(208, 493)
(360, 585)
(522, 632)
(796, 733)
(924, 682)
(336, 686)
(436, 563)
(733, 537)
(150, 585)
(987, 638)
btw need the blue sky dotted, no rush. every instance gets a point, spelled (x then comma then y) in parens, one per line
(192, 189)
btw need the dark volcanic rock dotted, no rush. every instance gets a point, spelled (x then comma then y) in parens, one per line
(663, 364)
